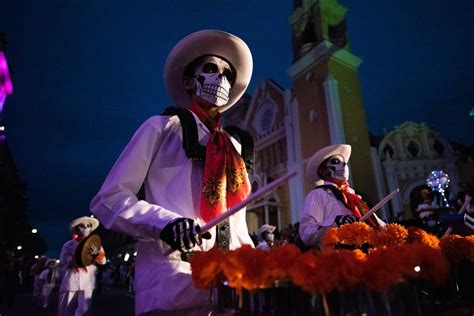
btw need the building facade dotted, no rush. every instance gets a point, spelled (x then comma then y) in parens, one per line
(323, 106)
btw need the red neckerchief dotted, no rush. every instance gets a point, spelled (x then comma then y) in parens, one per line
(357, 205)
(224, 181)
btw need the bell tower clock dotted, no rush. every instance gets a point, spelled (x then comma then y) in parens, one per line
(326, 100)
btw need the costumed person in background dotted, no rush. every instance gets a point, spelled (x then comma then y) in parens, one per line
(48, 278)
(425, 208)
(206, 73)
(332, 202)
(131, 277)
(77, 286)
(266, 237)
(36, 270)
(464, 202)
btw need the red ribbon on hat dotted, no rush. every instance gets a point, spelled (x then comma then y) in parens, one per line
(225, 181)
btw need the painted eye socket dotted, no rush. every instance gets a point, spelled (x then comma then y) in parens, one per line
(335, 161)
(209, 68)
(229, 75)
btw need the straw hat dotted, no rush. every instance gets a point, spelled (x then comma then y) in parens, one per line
(85, 220)
(323, 154)
(201, 43)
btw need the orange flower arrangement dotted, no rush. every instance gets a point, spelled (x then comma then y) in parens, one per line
(340, 270)
(206, 268)
(391, 235)
(303, 272)
(280, 261)
(399, 254)
(355, 234)
(245, 268)
(378, 274)
(457, 248)
(434, 267)
(470, 247)
(418, 235)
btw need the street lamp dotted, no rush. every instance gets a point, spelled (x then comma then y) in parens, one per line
(19, 247)
(34, 230)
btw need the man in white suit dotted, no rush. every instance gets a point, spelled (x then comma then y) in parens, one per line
(206, 72)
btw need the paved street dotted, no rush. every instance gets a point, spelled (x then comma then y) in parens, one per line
(111, 301)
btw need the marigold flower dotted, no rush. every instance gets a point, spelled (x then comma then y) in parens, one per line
(206, 268)
(456, 248)
(379, 275)
(245, 268)
(391, 235)
(303, 272)
(417, 235)
(280, 261)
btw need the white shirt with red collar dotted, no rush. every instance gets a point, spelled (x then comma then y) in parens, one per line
(319, 213)
(155, 157)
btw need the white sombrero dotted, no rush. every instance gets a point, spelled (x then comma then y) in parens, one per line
(84, 220)
(321, 155)
(201, 43)
(264, 228)
(51, 260)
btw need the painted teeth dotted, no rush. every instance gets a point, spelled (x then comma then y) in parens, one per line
(215, 90)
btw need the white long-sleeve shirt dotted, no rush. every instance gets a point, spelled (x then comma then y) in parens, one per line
(319, 213)
(155, 157)
(75, 279)
(49, 277)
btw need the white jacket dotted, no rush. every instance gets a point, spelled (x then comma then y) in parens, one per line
(155, 157)
(75, 279)
(319, 212)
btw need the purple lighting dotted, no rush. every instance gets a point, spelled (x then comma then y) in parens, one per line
(6, 86)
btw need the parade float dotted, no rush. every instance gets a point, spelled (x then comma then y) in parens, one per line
(359, 271)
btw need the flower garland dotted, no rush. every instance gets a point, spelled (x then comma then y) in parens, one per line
(380, 259)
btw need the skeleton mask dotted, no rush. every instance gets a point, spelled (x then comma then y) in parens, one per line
(338, 167)
(212, 80)
(269, 237)
(83, 230)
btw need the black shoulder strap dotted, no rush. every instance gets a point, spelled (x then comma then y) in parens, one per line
(191, 145)
(246, 140)
(337, 193)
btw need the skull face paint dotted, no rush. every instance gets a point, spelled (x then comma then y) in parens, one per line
(212, 80)
(338, 167)
(83, 230)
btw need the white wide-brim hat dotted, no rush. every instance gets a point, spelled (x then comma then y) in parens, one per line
(51, 260)
(201, 43)
(323, 154)
(264, 228)
(85, 220)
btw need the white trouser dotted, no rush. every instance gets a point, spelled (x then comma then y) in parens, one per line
(74, 303)
(37, 285)
(45, 292)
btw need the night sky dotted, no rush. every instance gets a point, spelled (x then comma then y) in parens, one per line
(87, 73)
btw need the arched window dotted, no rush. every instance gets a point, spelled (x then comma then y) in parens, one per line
(388, 151)
(413, 148)
(438, 148)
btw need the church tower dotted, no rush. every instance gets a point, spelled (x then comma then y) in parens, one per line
(325, 105)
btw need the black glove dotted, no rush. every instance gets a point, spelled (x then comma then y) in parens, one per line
(345, 219)
(183, 233)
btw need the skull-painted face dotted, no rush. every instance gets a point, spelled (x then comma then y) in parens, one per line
(83, 230)
(338, 168)
(213, 77)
